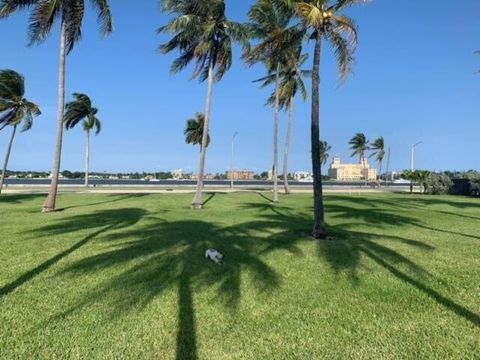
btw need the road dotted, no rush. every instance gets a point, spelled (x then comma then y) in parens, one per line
(180, 183)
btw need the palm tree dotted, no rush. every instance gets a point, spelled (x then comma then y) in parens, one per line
(291, 81)
(81, 110)
(411, 176)
(194, 130)
(379, 152)
(202, 34)
(43, 17)
(14, 109)
(324, 149)
(419, 176)
(324, 21)
(270, 24)
(359, 145)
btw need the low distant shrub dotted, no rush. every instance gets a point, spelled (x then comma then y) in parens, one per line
(437, 184)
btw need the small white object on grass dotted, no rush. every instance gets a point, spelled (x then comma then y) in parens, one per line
(215, 256)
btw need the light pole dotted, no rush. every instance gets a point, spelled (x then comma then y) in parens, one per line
(412, 167)
(413, 154)
(231, 159)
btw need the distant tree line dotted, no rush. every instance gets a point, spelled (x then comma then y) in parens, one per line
(447, 182)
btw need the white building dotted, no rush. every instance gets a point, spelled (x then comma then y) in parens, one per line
(177, 174)
(303, 176)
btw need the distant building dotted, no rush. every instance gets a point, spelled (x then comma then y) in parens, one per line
(351, 172)
(241, 175)
(177, 174)
(205, 177)
(303, 176)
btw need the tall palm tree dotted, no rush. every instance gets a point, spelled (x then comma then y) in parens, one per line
(270, 24)
(81, 111)
(194, 130)
(43, 17)
(378, 146)
(14, 109)
(291, 82)
(202, 34)
(324, 152)
(359, 145)
(325, 21)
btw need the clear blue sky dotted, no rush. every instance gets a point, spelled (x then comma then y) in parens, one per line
(414, 81)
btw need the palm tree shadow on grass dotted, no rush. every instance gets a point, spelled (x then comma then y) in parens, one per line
(344, 254)
(112, 199)
(166, 255)
(102, 221)
(170, 255)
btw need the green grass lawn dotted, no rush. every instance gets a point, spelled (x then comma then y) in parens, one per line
(123, 276)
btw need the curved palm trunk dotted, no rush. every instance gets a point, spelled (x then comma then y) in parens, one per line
(287, 145)
(319, 230)
(49, 204)
(87, 158)
(275, 134)
(7, 157)
(197, 200)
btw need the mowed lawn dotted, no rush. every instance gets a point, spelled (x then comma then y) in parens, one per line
(124, 277)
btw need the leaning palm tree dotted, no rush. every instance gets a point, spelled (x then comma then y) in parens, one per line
(324, 152)
(43, 17)
(359, 146)
(324, 21)
(292, 81)
(14, 109)
(202, 34)
(270, 24)
(194, 130)
(378, 146)
(81, 111)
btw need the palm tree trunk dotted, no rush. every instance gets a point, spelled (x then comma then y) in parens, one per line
(319, 230)
(287, 145)
(197, 200)
(275, 134)
(7, 156)
(364, 160)
(87, 158)
(49, 204)
(380, 172)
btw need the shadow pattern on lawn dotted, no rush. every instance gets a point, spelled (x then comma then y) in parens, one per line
(103, 221)
(161, 255)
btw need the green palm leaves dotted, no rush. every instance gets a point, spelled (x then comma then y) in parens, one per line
(81, 110)
(46, 13)
(270, 24)
(202, 34)
(378, 147)
(325, 20)
(359, 145)
(194, 130)
(14, 108)
(324, 151)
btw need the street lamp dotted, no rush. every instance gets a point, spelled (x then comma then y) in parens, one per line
(412, 167)
(413, 154)
(231, 159)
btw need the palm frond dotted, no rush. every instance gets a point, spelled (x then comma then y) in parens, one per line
(42, 20)
(7, 7)
(11, 85)
(105, 18)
